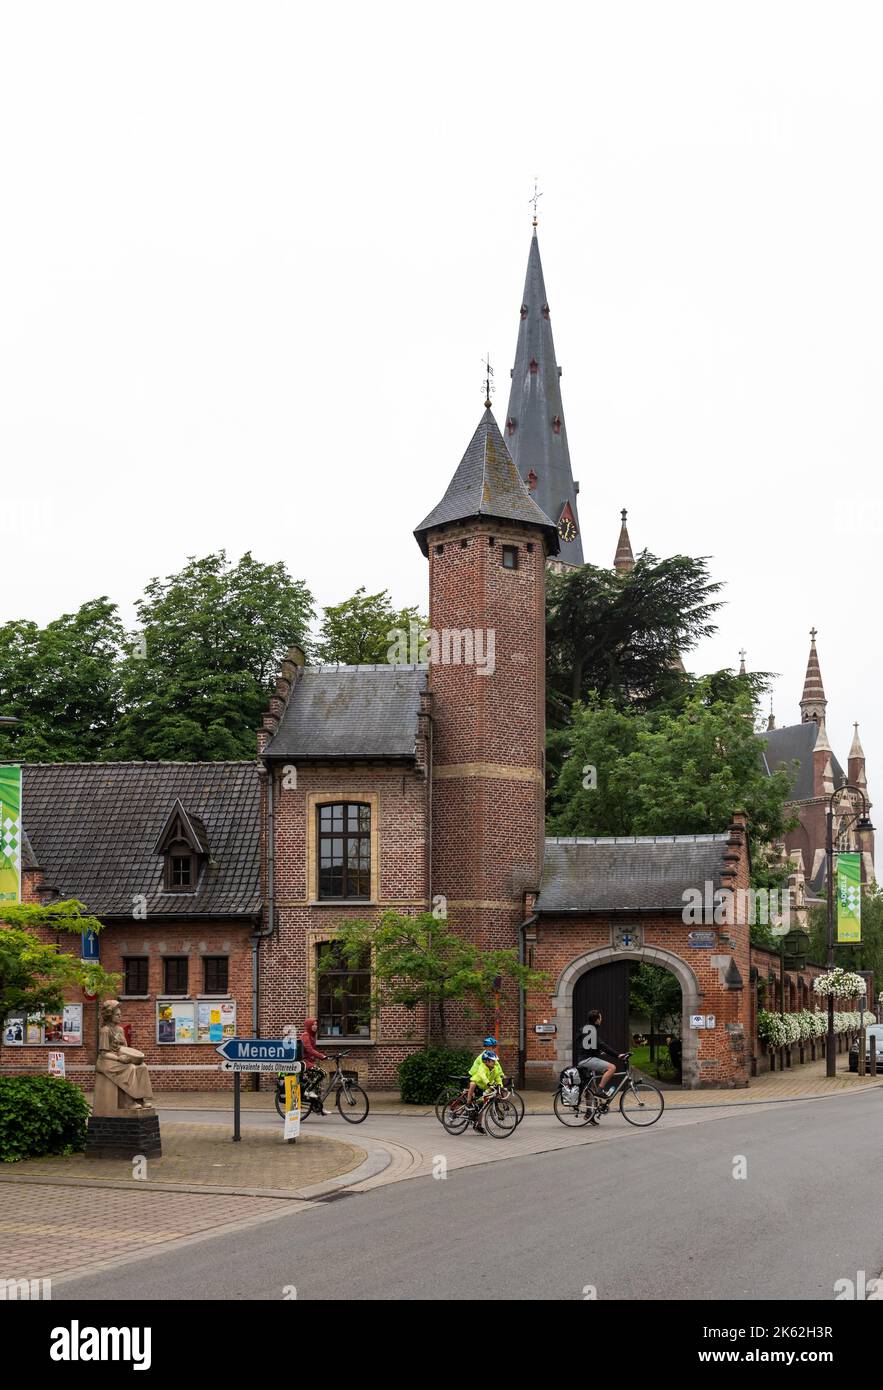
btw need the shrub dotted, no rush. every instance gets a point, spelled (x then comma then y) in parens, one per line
(40, 1115)
(423, 1074)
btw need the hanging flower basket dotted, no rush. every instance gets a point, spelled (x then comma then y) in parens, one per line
(842, 984)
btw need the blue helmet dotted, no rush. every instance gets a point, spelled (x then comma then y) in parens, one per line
(490, 1042)
(489, 1055)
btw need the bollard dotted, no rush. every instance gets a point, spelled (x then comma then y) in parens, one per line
(874, 1058)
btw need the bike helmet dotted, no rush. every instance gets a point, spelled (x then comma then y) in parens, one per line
(490, 1042)
(489, 1055)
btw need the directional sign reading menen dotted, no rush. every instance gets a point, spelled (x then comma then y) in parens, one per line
(259, 1055)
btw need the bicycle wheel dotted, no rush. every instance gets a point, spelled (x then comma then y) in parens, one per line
(641, 1103)
(573, 1115)
(456, 1116)
(499, 1118)
(279, 1102)
(445, 1096)
(352, 1104)
(515, 1099)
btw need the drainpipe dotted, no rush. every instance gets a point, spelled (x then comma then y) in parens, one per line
(259, 935)
(522, 1003)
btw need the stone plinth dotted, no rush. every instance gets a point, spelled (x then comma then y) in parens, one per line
(135, 1131)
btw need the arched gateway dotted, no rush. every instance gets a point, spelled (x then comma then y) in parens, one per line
(578, 969)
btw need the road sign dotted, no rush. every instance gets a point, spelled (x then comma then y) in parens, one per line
(263, 1068)
(257, 1050)
(697, 1020)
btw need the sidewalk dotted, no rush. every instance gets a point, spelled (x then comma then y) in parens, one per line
(796, 1083)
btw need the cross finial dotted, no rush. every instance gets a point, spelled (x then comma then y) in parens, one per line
(742, 653)
(813, 632)
(535, 199)
(489, 387)
(624, 515)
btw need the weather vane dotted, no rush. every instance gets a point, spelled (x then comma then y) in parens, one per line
(535, 199)
(489, 387)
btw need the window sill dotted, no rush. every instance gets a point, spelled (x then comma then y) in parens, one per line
(225, 995)
(132, 997)
(338, 1041)
(342, 902)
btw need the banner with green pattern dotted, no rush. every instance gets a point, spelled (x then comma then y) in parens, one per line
(10, 834)
(849, 897)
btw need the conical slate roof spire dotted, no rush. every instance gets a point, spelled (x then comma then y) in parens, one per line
(535, 429)
(487, 484)
(813, 703)
(624, 559)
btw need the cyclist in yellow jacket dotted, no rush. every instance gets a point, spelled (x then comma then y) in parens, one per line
(484, 1072)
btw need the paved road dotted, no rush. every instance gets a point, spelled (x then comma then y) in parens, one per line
(644, 1214)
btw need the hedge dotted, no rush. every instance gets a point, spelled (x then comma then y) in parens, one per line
(40, 1115)
(423, 1074)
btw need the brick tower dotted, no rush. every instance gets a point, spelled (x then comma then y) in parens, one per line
(487, 542)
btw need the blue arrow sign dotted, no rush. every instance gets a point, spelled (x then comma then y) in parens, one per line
(257, 1050)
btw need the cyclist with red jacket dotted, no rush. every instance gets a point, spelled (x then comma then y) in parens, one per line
(312, 1056)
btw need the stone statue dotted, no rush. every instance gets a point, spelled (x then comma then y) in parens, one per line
(122, 1080)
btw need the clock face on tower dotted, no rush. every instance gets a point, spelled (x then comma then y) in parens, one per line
(566, 528)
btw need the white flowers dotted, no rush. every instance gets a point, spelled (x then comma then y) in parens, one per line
(843, 984)
(780, 1030)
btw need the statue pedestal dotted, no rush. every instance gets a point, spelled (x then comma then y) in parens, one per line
(131, 1132)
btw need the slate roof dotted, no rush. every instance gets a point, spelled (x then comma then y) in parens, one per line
(351, 712)
(796, 742)
(93, 827)
(487, 484)
(535, 404)
(628, 873)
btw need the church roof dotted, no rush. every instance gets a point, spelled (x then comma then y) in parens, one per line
(624, 559)
(795, 742)
(351, 712)
(628, 873)
(487, 484)
(535, 428)
(93, 829)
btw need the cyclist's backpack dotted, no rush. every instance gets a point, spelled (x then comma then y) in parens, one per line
(571, 1083)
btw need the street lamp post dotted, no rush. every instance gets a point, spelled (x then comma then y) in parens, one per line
(862, 823)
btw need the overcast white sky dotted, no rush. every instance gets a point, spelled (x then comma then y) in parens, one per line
(251, 256)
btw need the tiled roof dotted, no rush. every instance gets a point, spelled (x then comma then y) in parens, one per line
(487, 484)
(628, 873)
(93, 828)
(351, 712)
(795, 743)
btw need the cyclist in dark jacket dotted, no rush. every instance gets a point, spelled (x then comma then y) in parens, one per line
(594, 1047)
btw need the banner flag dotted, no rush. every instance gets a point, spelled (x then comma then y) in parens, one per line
(10, 834)
(849, 897)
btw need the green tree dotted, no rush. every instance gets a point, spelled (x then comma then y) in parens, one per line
(629, 772)
(619, 637)
(655, 991)
(362, 629)
(62, 681)
(864, 955)
(35, 974)
(422, 960)
(197, 674)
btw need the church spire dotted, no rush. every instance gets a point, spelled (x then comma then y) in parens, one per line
(813, 703)
(624, 560)
(535, 431)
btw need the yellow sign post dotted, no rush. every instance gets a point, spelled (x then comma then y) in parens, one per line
(292, 1108)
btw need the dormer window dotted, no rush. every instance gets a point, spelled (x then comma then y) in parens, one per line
(524, 311)
(183, 844)
(534, 366)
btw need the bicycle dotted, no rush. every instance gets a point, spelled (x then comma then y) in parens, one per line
(351, 1100)
(456, 1084)
(493, 1110)
(640, 1102)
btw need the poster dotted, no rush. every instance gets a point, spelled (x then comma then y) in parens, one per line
(185, 1031)
(52, 1028)
(10, 834)
(165, 1029)
(849, 897)
(228, 1019)
(14, 1030)
(208, 1023)
(34, 1029)
(56, 1064)
(72, 1024)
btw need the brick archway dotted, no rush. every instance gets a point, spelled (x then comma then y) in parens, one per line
(562, 1000)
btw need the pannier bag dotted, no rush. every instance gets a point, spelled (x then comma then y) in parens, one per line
(570, 1085)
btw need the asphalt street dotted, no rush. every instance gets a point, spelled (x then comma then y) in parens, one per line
(656, 1213)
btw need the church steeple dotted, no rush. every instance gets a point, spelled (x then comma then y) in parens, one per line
(624, 560)
(813, 703)
(535, 431)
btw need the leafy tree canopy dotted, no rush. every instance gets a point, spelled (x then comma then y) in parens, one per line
(35, 974)
(197, 674)
(361, 630)
(619, 638)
